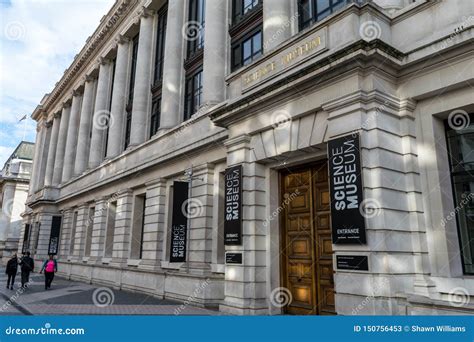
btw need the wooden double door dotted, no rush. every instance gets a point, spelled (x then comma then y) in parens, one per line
(306, 249)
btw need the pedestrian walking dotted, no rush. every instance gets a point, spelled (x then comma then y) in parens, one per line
(50, 266)
(12, 268)
(27, 265)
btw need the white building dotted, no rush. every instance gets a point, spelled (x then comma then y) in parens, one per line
(14, 181)
(185, 154)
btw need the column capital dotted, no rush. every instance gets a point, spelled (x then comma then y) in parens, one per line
(144, 12)
(103, 61)
(57, 115)
(76, 92)
(88, 78)
(66, 103)
(121, 39)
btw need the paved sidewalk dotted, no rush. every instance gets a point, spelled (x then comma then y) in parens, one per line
(75, 298)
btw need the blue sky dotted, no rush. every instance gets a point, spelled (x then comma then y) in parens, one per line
(38, 41)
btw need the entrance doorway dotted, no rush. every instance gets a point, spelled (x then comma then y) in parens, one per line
(306, 250)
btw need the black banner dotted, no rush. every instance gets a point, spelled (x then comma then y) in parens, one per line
(233, 206)
(54, 237)
(345, 176)
(352, 262)
(179, 222)
(26, 238)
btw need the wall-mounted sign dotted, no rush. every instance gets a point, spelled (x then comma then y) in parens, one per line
(300, 51)
(345, 176)
(26, 238)
(179, 222)
(352, 262)
(54, 237)
(233, 206)
(233, 258)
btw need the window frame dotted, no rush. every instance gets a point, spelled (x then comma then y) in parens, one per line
(131, 89)
(238, 9)
(196, 14)
(239, 44)
(315, 16)
(190, 93)
(458, 172)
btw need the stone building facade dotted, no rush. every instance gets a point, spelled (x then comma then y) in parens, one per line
(185, 153)
(14, 181)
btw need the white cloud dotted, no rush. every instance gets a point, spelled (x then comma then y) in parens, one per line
(38, 41)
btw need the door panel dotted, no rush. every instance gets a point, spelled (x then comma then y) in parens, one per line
(306, 241)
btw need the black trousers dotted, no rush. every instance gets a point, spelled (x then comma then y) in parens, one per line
(25, 277)
(48, 279)
(11, 277)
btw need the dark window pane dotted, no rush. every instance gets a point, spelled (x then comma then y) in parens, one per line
(322, 5)
(461, 157)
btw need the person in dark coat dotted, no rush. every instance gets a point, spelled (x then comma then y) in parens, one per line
(27, 265)
(12, 268)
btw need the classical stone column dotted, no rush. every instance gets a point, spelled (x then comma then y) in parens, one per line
(245, 294)
(277, 23)
(215, 52)
(123, 222)
(83, 140)
(36, 159)
(61, 148)
(142, 92)
(101, 113)
(99, 229)
(173, 65)
(44, 155)
(117, 109)
(71, 141)
(53, 144)
(6, 213)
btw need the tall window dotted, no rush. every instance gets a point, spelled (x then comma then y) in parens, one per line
(193, 93)
(311, 11)
(73, 233)
(110, 227)
(160, 44)
(247, 49)
(241, 7)
(195, 26)
(155, 116)
(461, 159)
(89, 228)
(128, 122)
(136, 248)
(158, 73)
(246, 32)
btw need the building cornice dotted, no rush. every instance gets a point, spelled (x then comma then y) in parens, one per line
(104, 31)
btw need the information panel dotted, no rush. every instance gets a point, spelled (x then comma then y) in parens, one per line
(345, 176)
(179, 222)
(54, 237)
(233, 206)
